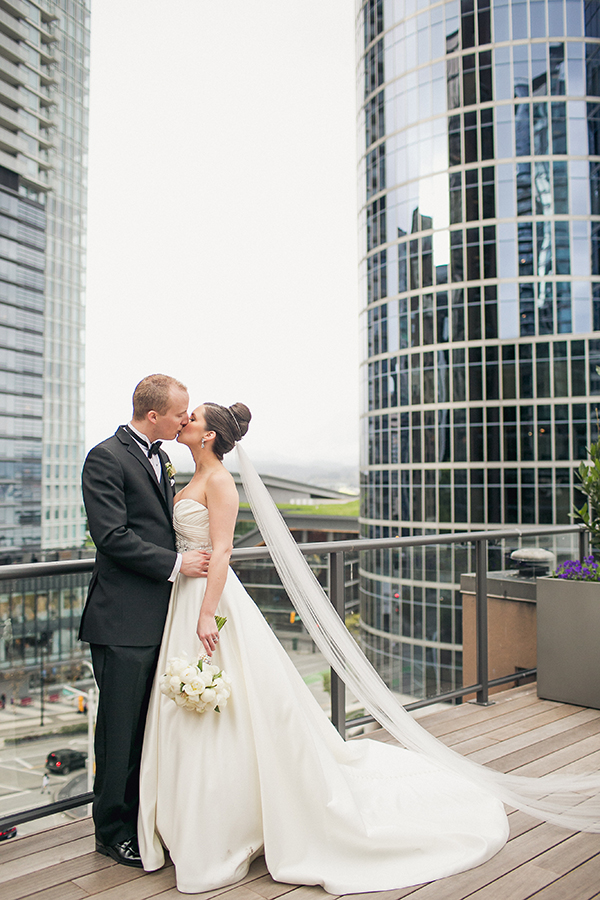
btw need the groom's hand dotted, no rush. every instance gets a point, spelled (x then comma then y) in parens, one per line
(194, 563)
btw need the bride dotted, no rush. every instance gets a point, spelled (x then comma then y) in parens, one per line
(269, 773)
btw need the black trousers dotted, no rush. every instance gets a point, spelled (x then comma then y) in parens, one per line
(124, 676)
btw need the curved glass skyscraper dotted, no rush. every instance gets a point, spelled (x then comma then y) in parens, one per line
(480, 275)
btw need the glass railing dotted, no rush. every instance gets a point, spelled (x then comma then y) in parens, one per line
(400, 597)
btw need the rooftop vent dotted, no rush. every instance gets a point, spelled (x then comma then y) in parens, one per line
(533, 562)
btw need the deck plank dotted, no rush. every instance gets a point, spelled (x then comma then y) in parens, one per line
(61, 892)
(59, 874)
(268, 889)
(518, 732)
(26, 844)
(257, 871)
(103, 879)
(517, 725)
(150, 885)
(539, 873)
(518, 851)
(581, 724)
(580, 757)
(505, 717)
(43, 859)
(537, 749)
(579, 884)
(454, 718)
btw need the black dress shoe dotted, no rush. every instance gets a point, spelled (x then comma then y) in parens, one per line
(125, 852)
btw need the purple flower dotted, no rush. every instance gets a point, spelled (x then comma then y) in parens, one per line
(587, 569)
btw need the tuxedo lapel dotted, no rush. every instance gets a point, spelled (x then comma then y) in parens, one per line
(138, 454)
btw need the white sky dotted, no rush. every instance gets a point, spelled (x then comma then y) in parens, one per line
(222, 216)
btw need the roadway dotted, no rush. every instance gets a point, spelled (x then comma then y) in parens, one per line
(22, 768)
(22, 762)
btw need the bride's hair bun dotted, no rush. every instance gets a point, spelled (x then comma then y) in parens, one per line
(242, 416)
(230, 423)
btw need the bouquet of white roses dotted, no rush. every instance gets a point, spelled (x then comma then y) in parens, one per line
(196, 686)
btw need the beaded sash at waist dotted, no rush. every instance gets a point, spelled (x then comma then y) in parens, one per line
(183, 544)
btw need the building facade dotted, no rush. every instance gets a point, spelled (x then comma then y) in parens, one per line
(44, 72)
(479, 182)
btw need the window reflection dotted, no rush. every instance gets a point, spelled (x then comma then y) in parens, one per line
(555, 17)
(459, 240)
(545, 310)
(526, 310)
(574, 21)
(543, 248)
(501, 22)
(522, 128)
(537, 18)
(540, 129)
(557, 68)
(543, 189)
(524, 189)
(519, 19)
(539, 70)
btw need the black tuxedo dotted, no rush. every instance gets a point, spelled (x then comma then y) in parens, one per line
(130, 520)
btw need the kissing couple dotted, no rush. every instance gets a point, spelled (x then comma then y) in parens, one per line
(266, 774)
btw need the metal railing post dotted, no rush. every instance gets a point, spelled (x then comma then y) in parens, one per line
(482, 621)
(337, 598)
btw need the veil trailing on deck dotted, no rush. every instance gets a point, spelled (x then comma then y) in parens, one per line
(572, 801)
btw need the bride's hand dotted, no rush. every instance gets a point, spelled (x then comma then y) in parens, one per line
(208, 633)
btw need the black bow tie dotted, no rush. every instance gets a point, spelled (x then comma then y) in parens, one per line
(150, 450)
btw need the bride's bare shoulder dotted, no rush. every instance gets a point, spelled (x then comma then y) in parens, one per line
(221, 483)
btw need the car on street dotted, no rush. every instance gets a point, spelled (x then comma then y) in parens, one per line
(61, 762)
(8, 833)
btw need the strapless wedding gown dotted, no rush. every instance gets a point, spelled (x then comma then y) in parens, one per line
(270, 774)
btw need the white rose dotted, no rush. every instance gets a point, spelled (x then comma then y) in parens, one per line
(180, 699)
(189, 673)
(176, 666)
(208, 695)
(190, 689)
(175, 682)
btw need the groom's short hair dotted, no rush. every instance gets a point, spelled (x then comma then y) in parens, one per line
(154, 392)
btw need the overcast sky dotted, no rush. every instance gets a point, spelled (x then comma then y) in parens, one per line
(222, 216)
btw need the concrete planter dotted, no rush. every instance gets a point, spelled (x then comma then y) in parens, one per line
(568, 641)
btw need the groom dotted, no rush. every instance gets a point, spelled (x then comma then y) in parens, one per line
(128, 497)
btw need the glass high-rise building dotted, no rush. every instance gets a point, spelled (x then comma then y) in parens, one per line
(44, 70)
(479, 186)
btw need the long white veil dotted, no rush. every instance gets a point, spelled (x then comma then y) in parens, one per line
(572, 801)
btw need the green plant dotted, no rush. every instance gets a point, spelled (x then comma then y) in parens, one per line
(589, 477)
(353, 625)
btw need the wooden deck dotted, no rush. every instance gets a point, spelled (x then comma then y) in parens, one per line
(518, 733)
